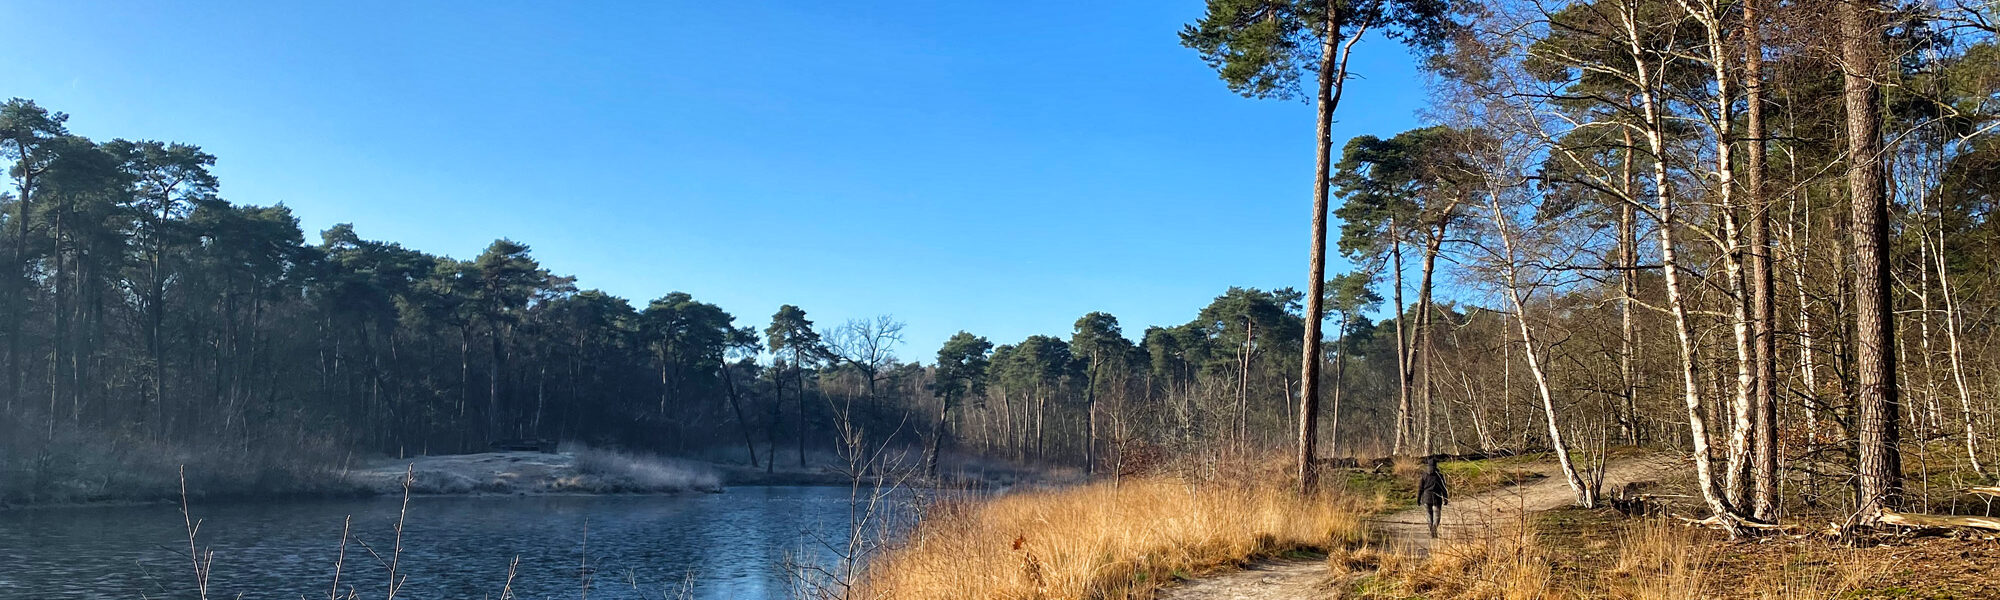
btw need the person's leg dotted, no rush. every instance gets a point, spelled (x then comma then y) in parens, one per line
(1434, 512)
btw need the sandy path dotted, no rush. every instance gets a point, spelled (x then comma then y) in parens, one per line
(1488, 513)
(1407, 531)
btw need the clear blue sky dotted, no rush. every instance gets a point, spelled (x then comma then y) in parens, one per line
(997, 167)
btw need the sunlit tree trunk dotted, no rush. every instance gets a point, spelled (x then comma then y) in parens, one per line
(1628, 288)
(1737, 465)
(1421, 343)
(1654, 131)
(1090, 418)
(1762, 287)
(1339, 378)
(1800, 238)
(1586, 494)
(1402, 342)
(1331, 80)
(1877, 405)
(1957, 367)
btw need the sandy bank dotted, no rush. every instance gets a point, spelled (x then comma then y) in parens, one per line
(582, 471)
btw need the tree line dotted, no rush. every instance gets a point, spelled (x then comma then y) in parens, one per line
(139, 301)
(143, 305)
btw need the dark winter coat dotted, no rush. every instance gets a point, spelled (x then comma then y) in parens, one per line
(1431, 492)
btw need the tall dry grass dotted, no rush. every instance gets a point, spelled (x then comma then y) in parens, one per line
(1653, 559)
(1658, 560)
(1106, 540)
(1506, 565)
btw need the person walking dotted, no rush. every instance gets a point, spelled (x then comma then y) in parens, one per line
(1432, 495)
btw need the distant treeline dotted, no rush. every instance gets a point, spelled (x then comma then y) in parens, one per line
(138, 301)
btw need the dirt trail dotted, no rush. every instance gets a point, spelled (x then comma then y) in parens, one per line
(1407, 531)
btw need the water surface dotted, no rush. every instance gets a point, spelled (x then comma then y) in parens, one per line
(729, 545)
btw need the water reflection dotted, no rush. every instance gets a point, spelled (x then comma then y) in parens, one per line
(733, 545)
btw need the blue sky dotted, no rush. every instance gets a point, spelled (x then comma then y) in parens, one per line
(997, 167)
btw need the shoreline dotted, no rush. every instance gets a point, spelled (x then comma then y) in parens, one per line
(233, 499)
(530, 474)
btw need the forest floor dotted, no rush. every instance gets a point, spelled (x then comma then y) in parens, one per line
(1405, 531)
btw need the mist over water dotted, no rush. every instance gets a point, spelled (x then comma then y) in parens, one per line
(732, 544)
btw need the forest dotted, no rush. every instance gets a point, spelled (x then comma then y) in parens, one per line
(150, 319)
(1748, 231)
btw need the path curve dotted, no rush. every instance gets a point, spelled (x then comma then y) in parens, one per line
(1406, 531)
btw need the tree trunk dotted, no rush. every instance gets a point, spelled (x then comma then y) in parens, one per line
(771, 425)
(799, 381)
(18, 280)
(1656, 143)
(464, 367)
(736, 405)
(1402, 343)
(61, 319)
(1957, 367)
(1243, 386)
(1628, 286)
(1339, 374)
(1586, 494)
(1798, 239)
(493, 384)
(1737, 465)
(937, 436)
(1879, 471)
(1330, 84)
(156, 314)
(1762, 287)
(1041, 418)
(1090, 435)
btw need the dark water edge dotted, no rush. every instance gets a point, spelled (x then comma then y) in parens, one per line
(228, 500)
(242, 493)
(728, 545)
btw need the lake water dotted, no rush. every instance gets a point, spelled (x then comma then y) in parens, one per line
(729, 545)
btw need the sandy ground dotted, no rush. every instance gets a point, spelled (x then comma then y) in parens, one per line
(1408, 531)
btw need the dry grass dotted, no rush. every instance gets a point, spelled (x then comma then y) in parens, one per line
(1659, 560)
(1105, 540)
(1651, 559)
(1507, 565)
